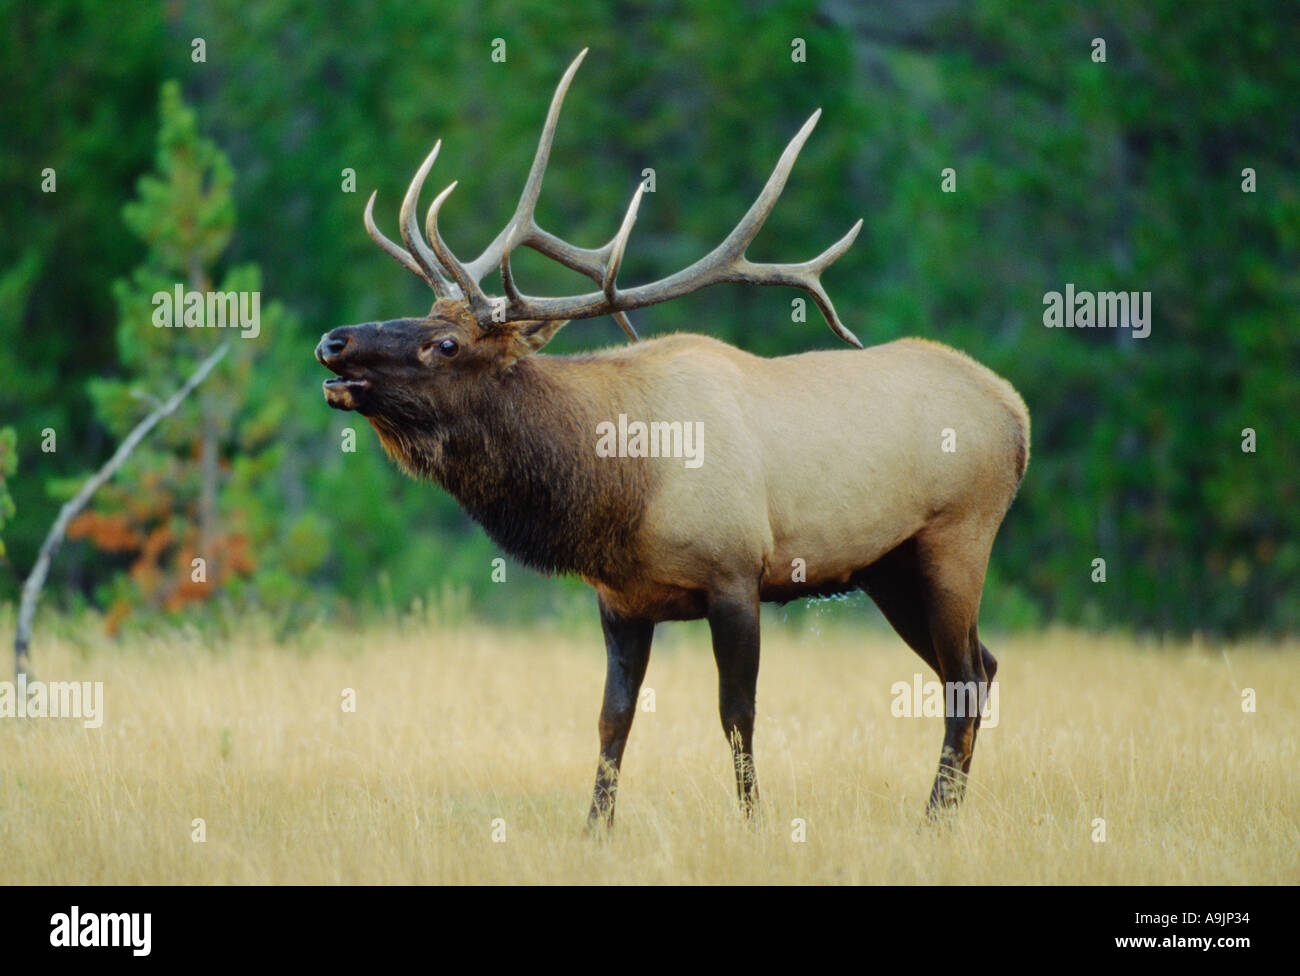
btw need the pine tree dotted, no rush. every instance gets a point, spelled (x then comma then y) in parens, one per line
(179, 511)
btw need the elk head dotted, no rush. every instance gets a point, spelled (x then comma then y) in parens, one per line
(407, 369)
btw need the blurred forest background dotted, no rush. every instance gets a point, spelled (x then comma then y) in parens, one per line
(229, 172)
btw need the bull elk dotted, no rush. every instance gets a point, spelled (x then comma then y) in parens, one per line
(829, 458)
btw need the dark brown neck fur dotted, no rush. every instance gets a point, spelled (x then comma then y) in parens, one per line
(518, 453)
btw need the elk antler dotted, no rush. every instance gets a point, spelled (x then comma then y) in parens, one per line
(423, 263)
(725, 263)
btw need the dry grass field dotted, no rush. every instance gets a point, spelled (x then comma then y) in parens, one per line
(457, 729)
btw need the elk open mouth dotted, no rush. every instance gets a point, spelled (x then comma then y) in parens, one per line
(341, 392)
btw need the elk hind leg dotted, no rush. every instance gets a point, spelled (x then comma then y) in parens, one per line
(990, 670)
(896, 586)
(734, 625)
(955, 579)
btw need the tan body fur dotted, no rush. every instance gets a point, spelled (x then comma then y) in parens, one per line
(779, 484)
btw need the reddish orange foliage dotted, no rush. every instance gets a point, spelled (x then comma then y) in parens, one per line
(149, 521)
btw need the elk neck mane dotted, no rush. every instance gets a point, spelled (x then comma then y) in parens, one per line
(518, 453)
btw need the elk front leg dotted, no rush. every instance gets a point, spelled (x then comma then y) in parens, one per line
(627, 649)
(733, 621)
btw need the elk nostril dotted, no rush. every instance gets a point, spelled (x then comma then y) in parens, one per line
(331, 345)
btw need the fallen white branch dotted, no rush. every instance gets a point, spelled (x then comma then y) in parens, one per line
(36, 579)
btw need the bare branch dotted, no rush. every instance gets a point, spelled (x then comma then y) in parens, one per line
(40, 570)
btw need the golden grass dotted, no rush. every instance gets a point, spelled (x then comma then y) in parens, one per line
(455, 729)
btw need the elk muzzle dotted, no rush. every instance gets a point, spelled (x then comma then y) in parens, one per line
(341, 391)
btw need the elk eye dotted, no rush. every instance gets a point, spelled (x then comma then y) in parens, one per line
(448, 347)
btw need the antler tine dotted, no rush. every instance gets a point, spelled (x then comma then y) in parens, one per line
(807, 276)
(823, 300)
(725, 263)
(626, 325)
(523, 230)
(524, 212)
(619, 244)
(507, 278)
(388, 247)
(468, 285)
(616, 248)
(410, 228)
(735, 243)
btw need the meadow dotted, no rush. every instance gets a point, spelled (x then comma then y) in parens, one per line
(470, 755)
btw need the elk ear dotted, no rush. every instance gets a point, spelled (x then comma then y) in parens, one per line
(532, 335)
